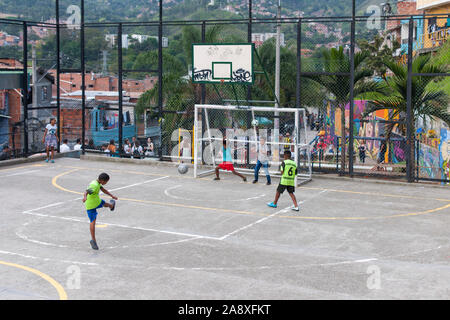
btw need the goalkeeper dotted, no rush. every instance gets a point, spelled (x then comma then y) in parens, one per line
(227, 163)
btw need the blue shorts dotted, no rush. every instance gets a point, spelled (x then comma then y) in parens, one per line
(92, 213)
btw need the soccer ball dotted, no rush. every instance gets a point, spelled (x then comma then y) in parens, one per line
(255, 123)
(182, 168)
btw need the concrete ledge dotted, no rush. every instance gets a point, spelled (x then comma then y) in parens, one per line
(39, 158)
(145, 161)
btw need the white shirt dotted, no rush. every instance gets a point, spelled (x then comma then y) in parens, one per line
(77, 147)
(64, 148)
(51, 129)
(262, 152)
(126, 148)
(139, 149)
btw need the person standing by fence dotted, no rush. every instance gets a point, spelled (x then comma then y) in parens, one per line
(50, 139)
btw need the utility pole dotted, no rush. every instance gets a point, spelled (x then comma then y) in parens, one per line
(277, 82)
(104, 63)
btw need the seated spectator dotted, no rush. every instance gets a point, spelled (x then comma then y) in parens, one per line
(91, 144)
(149, 148)
(64, 147)
(137, 150)
(127, 148)
(5, 154)
(77, 146)
(105, 148)
(112, 146)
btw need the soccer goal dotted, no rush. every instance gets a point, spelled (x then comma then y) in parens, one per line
(252, 133)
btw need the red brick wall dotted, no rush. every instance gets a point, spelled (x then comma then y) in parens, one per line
(15, 112)
(408, 8)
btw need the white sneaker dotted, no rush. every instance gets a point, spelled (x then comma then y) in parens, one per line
(295, 208)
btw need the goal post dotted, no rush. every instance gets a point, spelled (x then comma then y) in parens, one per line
(248, 143)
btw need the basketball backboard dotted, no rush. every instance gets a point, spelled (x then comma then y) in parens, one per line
(222, 63)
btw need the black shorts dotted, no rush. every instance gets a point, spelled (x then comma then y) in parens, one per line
(281, 188)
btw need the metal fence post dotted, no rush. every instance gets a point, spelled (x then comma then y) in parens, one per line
(25, 89)
(83, 81)
(352, 85)
(58, 71)
(298, 79)
(120, 70)
(160, 77)
(409, 115)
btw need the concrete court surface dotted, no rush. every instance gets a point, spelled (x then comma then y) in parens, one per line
(176, 237)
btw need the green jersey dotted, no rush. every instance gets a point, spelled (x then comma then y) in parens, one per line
(289, 168)
(93, 199)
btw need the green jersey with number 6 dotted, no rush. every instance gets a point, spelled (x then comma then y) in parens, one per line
(289, 168)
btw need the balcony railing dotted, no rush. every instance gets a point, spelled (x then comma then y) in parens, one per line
(433, 40)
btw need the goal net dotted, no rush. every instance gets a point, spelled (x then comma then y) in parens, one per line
(251, 134)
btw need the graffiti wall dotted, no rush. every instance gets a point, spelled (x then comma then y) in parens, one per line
(366, 131)
(444, 156)
(434, 154)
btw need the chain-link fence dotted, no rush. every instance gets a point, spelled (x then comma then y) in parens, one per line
(374, 85)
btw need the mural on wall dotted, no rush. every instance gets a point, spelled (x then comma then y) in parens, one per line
(434, 153)
(444, 150)
(370, 128)
(428, 162)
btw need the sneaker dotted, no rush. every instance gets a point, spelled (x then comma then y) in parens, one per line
(295, 208)
(216, 178)
(255, 181)
(272, 205)
(46, 160)
(53, 161)
(113, 203)
(268, 183)
(94, 245)
(245, 179)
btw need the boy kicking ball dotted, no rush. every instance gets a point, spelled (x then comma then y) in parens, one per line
(288, 173)
(93, 202)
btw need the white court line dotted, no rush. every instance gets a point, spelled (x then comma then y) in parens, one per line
(48, 259)
(32, 212)
(18, 173)
(123, 226)
(268, 217)
(253, 224)
(139, 183)
(45, 207)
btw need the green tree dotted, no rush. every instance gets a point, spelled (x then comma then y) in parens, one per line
(379, 52)
(336, 61)
(428, 100)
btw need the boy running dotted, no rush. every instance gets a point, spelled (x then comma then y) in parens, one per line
(288, 173)
(93, 202)
(227, 163)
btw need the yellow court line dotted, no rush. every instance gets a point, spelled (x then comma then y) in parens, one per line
(55, 184)
(306, 188)
(61, 292)
(192, 207)
(376, 194)
(370, 218)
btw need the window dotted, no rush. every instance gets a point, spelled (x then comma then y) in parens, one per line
(44, 94)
